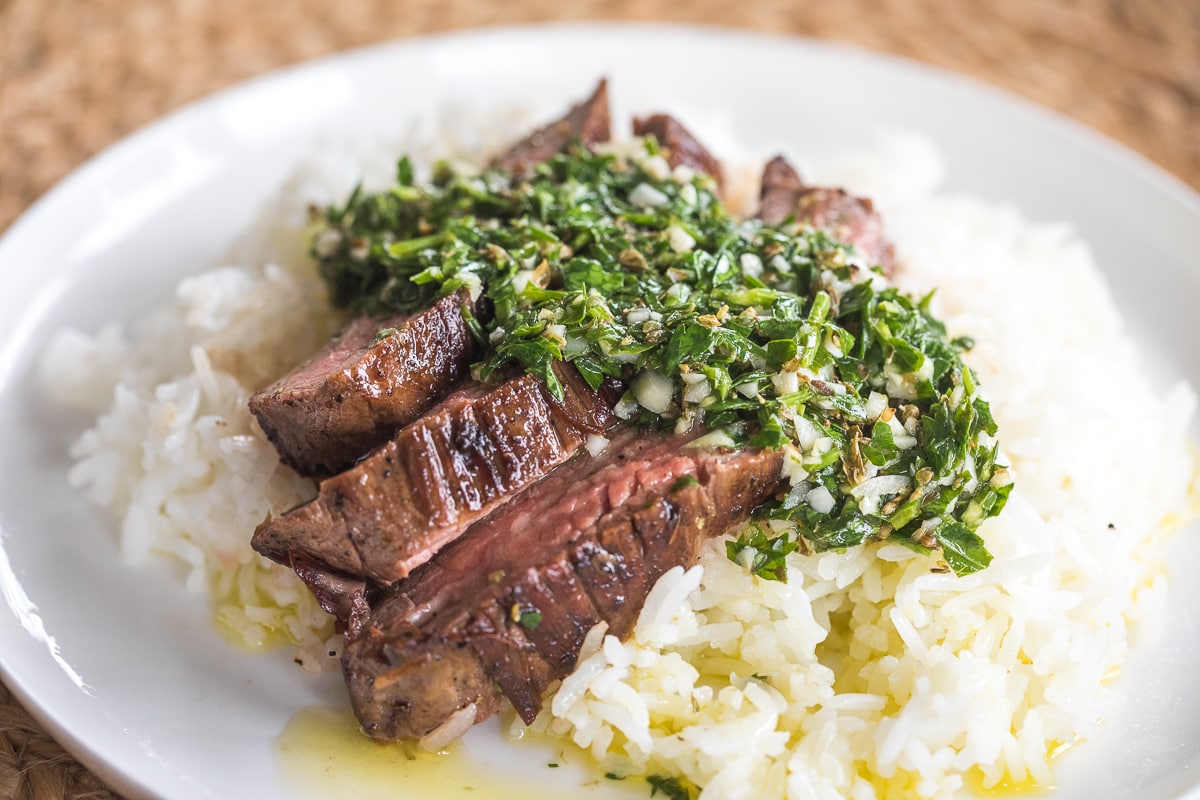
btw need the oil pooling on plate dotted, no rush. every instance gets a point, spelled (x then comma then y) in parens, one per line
(322, 753)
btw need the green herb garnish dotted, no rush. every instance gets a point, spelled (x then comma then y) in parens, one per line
(672, 788)
(683, 482)
(768, 554)
(769, 335)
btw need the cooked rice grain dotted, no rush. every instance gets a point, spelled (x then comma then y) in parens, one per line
(867, 675)
(863, 676)
(174, 452)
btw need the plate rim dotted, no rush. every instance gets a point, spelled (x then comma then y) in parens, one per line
(1109, 147)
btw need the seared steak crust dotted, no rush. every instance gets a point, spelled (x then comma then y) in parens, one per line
(536, 542)
(342, 596)
(353, 395)
(587, 122)
(781, 189)
(680, 145)
(393, 510)
(504, 609)
(848, 218)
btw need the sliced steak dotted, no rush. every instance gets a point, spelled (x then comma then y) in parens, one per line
(781, 190)
(504, 609)
(343, 596)
(587, 122)
(849, 218)
(680, 146)
(353, 395)
(393, 510)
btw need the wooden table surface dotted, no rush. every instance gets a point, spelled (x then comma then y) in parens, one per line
(77, 75)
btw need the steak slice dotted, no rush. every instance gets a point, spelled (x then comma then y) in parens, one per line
(680, 145)
(781, 190)
(849, 218)
(353, 395)
(504, 610)
(393, 510)
(343, 596)
(587, 122)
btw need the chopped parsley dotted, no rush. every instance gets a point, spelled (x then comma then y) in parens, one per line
(771, 336)
(530, 620)
(672, 788)
(767, 554)
(684, 481)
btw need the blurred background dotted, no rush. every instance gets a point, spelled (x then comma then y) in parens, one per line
(77, 75)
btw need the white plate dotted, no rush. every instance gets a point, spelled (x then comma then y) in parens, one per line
(123, 665)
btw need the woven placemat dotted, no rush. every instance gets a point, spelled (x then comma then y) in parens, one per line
(75, 76)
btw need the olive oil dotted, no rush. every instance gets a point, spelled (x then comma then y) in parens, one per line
(1010, 788)
(322, 753)
(1007, 788)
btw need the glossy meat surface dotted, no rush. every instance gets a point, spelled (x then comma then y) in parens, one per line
(504, 610)
(847, 217)
(353, 395)
(393, 510)
(587, 122)
(680, 146)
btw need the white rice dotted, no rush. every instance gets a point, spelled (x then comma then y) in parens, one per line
(175, 453)
(864, 675)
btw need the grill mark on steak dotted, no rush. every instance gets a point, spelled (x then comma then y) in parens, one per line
(504, 655)
(394, 509)
(584, 544)
(849, 218)
(611, 570)
(353, 395)
(536, 543)
(680, 145)
(566, 612)
(587, 122)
